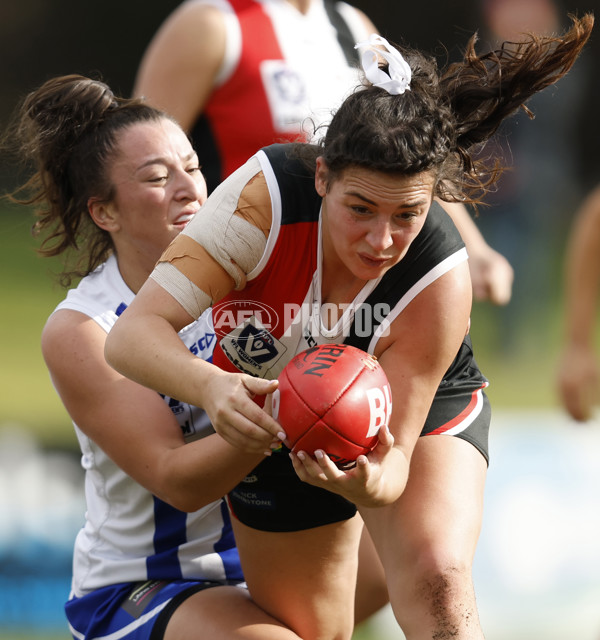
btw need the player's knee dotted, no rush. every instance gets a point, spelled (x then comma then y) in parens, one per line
(440, 599)
(437, 579)
(443, 587)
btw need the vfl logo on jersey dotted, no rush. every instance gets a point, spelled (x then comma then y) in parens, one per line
(252, 349)
(286, 94)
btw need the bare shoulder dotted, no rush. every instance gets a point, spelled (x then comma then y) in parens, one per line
(179, 66)
(192, 27)
(445, 305)
(73, 349)
(64, 326)
(436, 319)
(71, 341)
(191, 15)
(369, 26)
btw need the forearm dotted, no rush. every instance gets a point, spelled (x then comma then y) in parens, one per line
(201, 472)
(582, 274)
(150, 352)
(467, 228)
(144, 346)
(394, 477)
(491, 274)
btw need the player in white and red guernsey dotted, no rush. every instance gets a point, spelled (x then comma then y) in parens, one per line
(277, 74)
(373, 236)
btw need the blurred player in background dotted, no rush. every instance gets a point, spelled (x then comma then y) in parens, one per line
(240, 74)
(348, 221)
(579, 367)
(525, 219)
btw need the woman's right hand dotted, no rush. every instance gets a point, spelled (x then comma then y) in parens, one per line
(376, 479)
(236, 416)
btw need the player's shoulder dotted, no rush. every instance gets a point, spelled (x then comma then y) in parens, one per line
(295, 182)
(201, 9)
(68, 338)
(358, 21)
(195, 17)
(440, 225)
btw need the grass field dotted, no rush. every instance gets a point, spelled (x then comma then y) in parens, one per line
(29, 295)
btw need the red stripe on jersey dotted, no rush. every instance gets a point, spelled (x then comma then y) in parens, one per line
(259, 43)
(287, 277)
(283, 282)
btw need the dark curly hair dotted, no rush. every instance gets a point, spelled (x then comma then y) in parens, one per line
(442, 122)
(66, 131)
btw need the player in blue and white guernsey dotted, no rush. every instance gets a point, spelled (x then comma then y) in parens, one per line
(344, 242)
(116, 181)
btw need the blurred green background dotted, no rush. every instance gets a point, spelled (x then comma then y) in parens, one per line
(107, 39)
(517, 347)
(524, 377)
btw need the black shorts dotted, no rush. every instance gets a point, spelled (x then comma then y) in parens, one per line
(461, 407)
(273, 498)
(463, 412)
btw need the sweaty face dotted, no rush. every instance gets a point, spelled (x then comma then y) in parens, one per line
(370, 218)
(158, 187)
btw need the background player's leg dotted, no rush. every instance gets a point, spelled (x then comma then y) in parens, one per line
(371, 587)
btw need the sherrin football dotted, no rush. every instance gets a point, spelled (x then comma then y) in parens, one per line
(333, 397)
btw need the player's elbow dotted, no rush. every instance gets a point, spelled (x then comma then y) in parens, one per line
(112, 347)
(183, 498)
(184, 502)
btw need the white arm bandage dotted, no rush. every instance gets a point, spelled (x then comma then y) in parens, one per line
(189, 296)
(234, 243)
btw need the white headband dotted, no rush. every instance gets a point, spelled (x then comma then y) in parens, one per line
(398, 79)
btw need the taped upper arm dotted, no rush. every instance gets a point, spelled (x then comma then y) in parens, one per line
(225, 242)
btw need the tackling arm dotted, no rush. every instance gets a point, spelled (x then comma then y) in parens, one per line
(131, 423)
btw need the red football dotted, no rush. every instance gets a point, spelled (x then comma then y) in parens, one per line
(333, 397)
